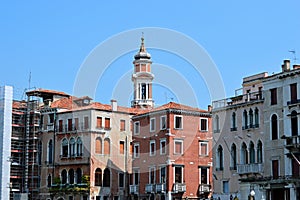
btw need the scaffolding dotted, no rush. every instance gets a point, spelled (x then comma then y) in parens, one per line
(24, 175)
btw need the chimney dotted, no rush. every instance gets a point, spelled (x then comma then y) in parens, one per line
(209, 108)
(114, 105)
(296, 66)
(286, 66)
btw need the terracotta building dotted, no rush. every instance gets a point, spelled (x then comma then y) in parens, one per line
(171, 153)
(85, 149)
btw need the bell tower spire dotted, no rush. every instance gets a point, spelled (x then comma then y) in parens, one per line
(142, 79)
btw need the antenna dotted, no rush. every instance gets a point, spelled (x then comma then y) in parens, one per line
(294, 53)
(29, 80)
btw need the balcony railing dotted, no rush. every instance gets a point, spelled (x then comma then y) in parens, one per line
(179, 187)
(253, 168)
(134, 189)
(292, 142)
(294, 101)
(160, 188)
(204, 188)
(244, 98)
(149, 188)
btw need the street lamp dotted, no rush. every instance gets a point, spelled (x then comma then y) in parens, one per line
(251, 195)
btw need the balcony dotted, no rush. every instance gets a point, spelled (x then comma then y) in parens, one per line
(204, 188)
(134, 189)
(160, 188)
(292, 142)
(149, 188)
(293, 102)
(179, 187)
(254, 168)
(240, 99)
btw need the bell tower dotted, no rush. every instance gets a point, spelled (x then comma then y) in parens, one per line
(142, 79)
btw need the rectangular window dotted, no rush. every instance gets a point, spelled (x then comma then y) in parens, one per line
(69, 124)
(130, 148)
(136, 128)
(178, 146)
(293, 91)
(136, 153)
(99, 122)
(203, 124)
(275, 169)
(178, 122)
(152, 124)
(152, 148)
(60, 125)
(122, 147)
(203, 148)
(162, 147)
(121, 180)
(136, 176)
(273, 96)
(152, 175)
(86, 122)
(122, 125)
(225, 187)
(204, 174)
(163, 122)
(107, 123)
(163, 172)
(76, 123)
(178, 173)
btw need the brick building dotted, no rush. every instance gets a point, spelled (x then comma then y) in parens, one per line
(171, 153)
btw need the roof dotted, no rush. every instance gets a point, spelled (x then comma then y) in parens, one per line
(173, 106)
(69, 104)
(41, 92)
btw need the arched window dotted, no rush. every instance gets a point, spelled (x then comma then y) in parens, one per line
(220, 158)
(245, 120)
(71, 176)
(233, 157)
(244, 154)
(216, 124)
(79, 146)
(294, 123)
(259, 152)
(64, 176)
(49, 181)
(274, 127)
(251, 118)
(98, 177)
(106, 146)
(98, 145)
(72, 147)
(78, 176)
(40, 152)
(256, 117)
(50, 152)
(252, 152)
(106, 178)
(233, 121)
(65, 148)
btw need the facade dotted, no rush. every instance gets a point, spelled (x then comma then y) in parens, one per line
(239, 140)
(6, 99)
(85, 149)
(171, 153)
(281, 119)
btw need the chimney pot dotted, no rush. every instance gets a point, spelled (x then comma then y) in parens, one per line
(286, 66)
(114, 105)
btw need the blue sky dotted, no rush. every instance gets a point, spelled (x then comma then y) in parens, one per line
(52, 39)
